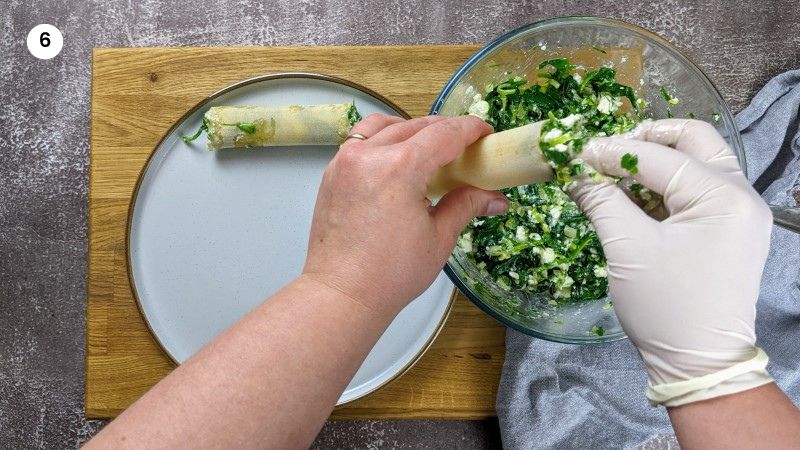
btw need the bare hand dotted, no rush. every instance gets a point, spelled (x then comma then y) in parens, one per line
(375, 236)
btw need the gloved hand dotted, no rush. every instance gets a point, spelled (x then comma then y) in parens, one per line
(685, 288)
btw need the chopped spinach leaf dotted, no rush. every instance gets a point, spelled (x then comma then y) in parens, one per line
(247, 127)
(598, 331)
(668, 98)
(629, 162)
(353, 116)
(203, 127)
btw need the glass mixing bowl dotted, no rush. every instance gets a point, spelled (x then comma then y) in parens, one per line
(644, 61)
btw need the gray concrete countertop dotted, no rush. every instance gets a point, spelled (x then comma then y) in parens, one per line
(44, 127)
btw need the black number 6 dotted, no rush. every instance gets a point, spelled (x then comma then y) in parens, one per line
(44, 39)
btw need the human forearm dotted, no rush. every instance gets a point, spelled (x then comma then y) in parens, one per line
(269, 381)
(376, 243)
(757, 418)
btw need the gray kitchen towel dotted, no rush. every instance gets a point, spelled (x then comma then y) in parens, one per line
(559, 396)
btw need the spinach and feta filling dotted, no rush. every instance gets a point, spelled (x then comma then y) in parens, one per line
(545, 245)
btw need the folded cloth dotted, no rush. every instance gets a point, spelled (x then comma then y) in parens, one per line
(568, 396)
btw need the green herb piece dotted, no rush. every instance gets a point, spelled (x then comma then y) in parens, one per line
(668, 98)
(608, 305)
(664, 94)
(669, 114)
(636, 188)
(599, 49)
(353, 116)
(562, 66)
(203, 127)
(247, 127)
(715, 117)
(629, 162)
(598, 331)
(692, 116)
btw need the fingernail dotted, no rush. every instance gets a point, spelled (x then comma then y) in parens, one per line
(496, 207)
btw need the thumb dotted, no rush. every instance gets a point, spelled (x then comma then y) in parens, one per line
(459, 206)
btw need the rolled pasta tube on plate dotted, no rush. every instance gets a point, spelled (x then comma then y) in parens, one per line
(261, 126)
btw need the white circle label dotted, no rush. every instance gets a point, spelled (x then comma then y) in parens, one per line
(45, 41)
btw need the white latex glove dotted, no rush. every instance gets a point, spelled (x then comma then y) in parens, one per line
(684, 289)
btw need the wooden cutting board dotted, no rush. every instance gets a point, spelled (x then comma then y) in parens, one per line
(137, 94)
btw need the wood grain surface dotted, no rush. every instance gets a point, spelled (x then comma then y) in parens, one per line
(137, 94)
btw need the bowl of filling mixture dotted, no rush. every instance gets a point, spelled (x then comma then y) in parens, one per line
(540, 268)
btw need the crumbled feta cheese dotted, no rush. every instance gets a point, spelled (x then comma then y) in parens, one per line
(548, 255)
(570, 120)
(479, 107)
(600, 272)
(570, 232)
(608, 104)
(513, 275)
(560, 147)
(555, 214)
(465, 242)
(522, 233)
(552, 135)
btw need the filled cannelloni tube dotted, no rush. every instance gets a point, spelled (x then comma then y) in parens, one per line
(263, 126)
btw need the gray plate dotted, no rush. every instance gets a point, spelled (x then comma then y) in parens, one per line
(212, 234)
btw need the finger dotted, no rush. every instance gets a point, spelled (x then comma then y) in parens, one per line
(457, 207)
(676, 176)
(696, 138)
(373, 124)
(401, 131)
(443, 141)
(615, 217)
